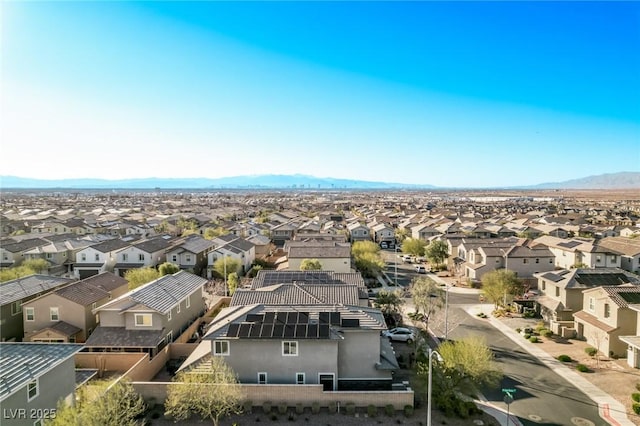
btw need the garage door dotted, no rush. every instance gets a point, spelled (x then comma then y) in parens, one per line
(86, 273)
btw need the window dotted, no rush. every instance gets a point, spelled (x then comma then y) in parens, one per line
(613, 258)
(32, 390)
(607, 310)
(551, 260)
(125, 257)
(54, 314)
(143, 320)
(49, 255)
(221, 347)
(16, 307)
(188, 258)
(169, 315)
(94, 305)
(525, 260)
(544, 285)
(262, 378)
(289, 348)
(97, 257)
(178, 308)
(83, 257)
(557, 291)
(497, 260)
(188, 302)
(537, 260)
(141, 257)
(174, 258)
(299, 378)
(592, 304)
(598, 258)
(30, 314)
(170, 337)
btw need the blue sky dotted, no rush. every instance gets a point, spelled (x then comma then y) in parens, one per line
(451, 94)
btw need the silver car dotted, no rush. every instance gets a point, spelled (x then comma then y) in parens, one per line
(399, 334)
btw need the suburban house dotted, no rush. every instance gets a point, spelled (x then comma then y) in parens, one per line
(561, 293)
(358, 232)
(579, 253)
(191, 255)
(332, 256)
(149, 317)
(633, 340)
(14, 293)
(143, 254)
(65, 314)
(423, 232)
(234, 247)
(60, 254)
(35, 377)
(628, 250)
(383, 232)
(13, 253)
(98, 258)
(606, 315)
(262, 245)
(314, 333)
(283, 232)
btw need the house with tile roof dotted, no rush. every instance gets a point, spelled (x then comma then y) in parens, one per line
(34, 377)
(577, 252)
(142, 254)
(65, 315)
(606, 315)
(628, 250)
(333, 256)
(234, 247)
(13, 253)
(561, 293)
(149, 317)
(14, 293)
(296, 331)
(191, 254)
(98, 258)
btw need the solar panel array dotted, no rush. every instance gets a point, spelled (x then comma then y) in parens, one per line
(284, 325)
(596, 280)
(309, 277)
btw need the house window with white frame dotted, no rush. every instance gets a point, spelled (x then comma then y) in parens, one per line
(299, 378)
(525, 260)
(30, 314)
(187, 302)
(54, 313)
(557, 291)
(178, 308)
(125, 257)
(97, 257)
(262, 378)
(188, 258)
(32, 390)
(221, 347)
(169, 315)
(613, 258)
(290, 348)
(170, 337)
(174, 258)
(537, 260)
(143, 320)
(592, 304)
(598, 259)
(607, 310)
(16, 307)
(141, 257)
(83, 257)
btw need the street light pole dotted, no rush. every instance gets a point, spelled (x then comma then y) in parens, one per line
(431, 353)
(225, 276)
(446, 313)
(395, 264)
(506, 268)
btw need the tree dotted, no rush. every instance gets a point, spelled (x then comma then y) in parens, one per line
(310, 265)
(466, 365)
(413, 246)
(211, 233)
(360, 248)
(232, 282)
(427, 297)
(401, 235)
(389, 303)
(139, 276)
(168, 268)
(119, 405)
(437, 252)
(210, 391)
(232, 265)
(36, 265)
(498, 284)
(369, 264)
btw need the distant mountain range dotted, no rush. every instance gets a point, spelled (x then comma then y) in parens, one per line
(622, 180)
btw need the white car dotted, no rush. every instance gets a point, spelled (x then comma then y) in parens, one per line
(421, 269)
(399, 334)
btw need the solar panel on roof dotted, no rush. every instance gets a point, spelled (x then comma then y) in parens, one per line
(303, 317)
(244, 329)
(254, 317)
(350, 322)
(323, 331)
(281, 317)
(269, 317)
(301, 331)
(255, 330)
(278, 330)
(292, 317)
(324, 317)
(289, 330)
(312, 331)
(233, 329)
(335, 318)
(266, 331)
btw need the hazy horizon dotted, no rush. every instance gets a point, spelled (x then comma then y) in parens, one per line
(451, 94)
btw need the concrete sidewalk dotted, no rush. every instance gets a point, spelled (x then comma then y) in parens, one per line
(609, 408)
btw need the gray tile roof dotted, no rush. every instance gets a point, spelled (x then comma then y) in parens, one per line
(197, 244)
(315, 252)
(22, 362)
(298, 294)
(159, 295)
(624, 295)
(120, 337)
(153, 245)
(14, 290)
(65, 328)
(24, 245)
(92, 289)
(267, 278)
(111, 245)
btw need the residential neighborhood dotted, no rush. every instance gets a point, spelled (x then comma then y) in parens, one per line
(270, 284)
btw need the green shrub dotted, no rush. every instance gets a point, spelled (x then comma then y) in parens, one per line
(315, 407)
(582, 368)
(529, 314)
(333, 406)
(372, 410)
(518, 330)
(350, 408)
(590, 351)
(635, 396)
(390, 410)
(638, 386)
(564, 358)
(408, 410)
(636, 407)
(247, 406)
(299, 408)
(540, 325)
(282, 408)
(533, 339)
(266, 407)
(547, 333)
(527, 336)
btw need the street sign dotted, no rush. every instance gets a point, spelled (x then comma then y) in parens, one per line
(508, 399)
(508, 390)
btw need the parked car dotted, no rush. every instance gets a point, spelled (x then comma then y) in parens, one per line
(384, 245)
(399, 334)
(407, 258)
(421, 259)
(421, 269)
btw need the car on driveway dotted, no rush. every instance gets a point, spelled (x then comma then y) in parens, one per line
(399, 334)
(421, 269)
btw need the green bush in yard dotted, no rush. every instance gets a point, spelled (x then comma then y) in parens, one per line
(266, 407)
(590, 351)
(351, 408)
(547, 333)
(282, 407)
(315, 407)
(408, 410)
(533, 339)
(372, 410)
(527, 336)
(635, 396)
(636, 407)
(564, 358)
(299, 408)
(390, 410)
(582, 368)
